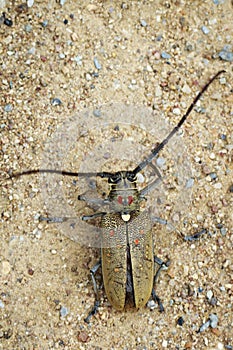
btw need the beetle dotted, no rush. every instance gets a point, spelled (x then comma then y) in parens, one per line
(127, 256)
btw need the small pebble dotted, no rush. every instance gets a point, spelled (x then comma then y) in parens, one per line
(223, 231)
(223, 137)
(97, 113)
(164, 343)
(218, 2)
(213, 176)
(180, 321)
(212, 156)
(8, 108)
(213, 320)
(28, 28)
(5, 268)
(190, 183)
(176, 111)
(213, 301)
(97, 64)
(209, 294)
(78, 60)
(226, 56)
(140, 178)
(7, 22)
(83, 337)
(56, 102)
(165, 55)
(62, 2)
(199, 217)
(186, 89)
(44, 23)
(2, 305)
(204, 327)
(32, 51)
(150, 321)
(151, 304)
(218, 186)
(143, 23)
(30, 3)
(205, 30)
(64, 311)
(88, 76)
(160, 161)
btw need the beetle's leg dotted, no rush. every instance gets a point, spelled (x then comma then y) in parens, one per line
(93, 216)
(93, 202)
(163, 266)
(163, 222)
(97, 299)
(190, 238)
(56, 219)
(195, 236)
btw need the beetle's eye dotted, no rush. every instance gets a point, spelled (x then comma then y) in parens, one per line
(131, 177)
(115, 178)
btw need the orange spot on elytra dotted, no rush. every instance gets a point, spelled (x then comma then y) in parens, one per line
(111, 233)
(141, 232)
(136, 241)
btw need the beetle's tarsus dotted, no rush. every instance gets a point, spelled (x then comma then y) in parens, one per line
(157, 300)
(92, 312)
(195, 236)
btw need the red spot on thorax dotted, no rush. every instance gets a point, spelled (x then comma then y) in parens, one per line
(130, 200)
(119, 199)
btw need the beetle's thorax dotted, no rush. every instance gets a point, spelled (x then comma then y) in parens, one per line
(124, 195)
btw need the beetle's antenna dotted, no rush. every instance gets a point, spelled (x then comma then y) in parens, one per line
(61, 172)
(158, 148)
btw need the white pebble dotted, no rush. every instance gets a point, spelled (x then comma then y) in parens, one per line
(209, 294)
(218, 185)
(5, 268)
(176, 111)
(30, 3)
(212, 156)
(186, 89)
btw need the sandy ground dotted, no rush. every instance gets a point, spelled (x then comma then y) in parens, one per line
(113, 69)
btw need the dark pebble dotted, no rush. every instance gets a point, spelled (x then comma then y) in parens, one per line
(8, 22)
(223, 137)
(44, 23)
(180, 321)
(213, 176)
(56, 102)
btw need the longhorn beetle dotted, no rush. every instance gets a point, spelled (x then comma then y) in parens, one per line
(127, 257)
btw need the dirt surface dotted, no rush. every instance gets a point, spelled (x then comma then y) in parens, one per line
(83, 87)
